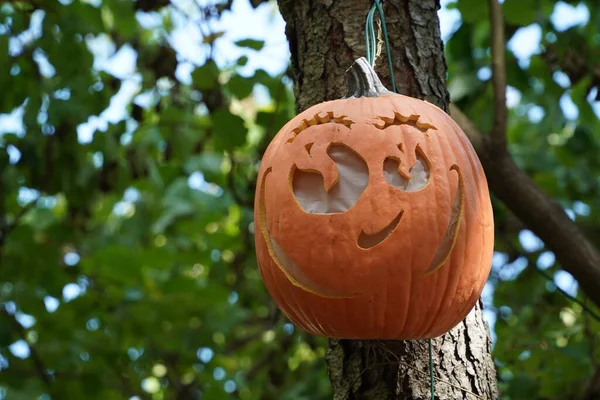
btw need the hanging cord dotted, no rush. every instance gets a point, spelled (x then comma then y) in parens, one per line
(370, 41)
(431, 383)
(371, 47)
(370, 36)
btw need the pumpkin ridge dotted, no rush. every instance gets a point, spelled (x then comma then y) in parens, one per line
(440, 316)
(475, 164)
(407, 300)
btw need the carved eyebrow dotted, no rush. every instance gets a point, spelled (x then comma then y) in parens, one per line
(317, 119)
(399, 119)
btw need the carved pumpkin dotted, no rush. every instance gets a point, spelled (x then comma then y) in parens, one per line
(372, 216)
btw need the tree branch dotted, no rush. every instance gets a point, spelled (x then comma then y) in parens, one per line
(498, 75)
(536, 209)
(513, 225)
(592, 391)
(575, 62)
(476, 138)
(243, 341)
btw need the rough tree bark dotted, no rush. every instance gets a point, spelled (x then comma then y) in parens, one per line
(325, 37)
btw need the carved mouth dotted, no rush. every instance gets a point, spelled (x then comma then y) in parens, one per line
(367, 241)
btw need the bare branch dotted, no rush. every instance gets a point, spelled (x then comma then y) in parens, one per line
(593, 389)
(590, 334)
(477, 140)
(576, 62)
(498, 75)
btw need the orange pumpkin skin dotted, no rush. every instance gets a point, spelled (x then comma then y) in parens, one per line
(420, 280)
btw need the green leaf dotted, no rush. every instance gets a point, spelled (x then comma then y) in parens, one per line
(208, 162)
(251, 43)
(117, 263)
(206, 76)
(273, 121)
(121, 14)
(520, 12)
(243, 60)
(25, 394)
(462, 85)
(240, 87)
(473, 10)
(229, 130)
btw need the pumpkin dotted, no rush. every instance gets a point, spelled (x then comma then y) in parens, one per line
(372, 217)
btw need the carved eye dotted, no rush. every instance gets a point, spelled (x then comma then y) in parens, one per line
(353, 178)
(419, 174)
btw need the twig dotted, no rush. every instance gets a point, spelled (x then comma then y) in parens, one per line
(520, 252)
(5, 229)
(268, 357)
(593, 389)
(35, 357)
(585, 308)
(590, 334)
(475, 137)
(260, 363)
(268, 322)
(239, 199)
(498, 135)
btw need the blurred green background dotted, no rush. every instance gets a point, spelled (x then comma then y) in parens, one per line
(130, 134)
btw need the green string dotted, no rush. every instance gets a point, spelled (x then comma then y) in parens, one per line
(370, 43)
(431, 383)
(371, 52)
(370, 37)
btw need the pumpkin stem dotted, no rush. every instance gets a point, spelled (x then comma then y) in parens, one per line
(362, 81)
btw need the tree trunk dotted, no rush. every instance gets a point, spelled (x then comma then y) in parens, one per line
(325, 37)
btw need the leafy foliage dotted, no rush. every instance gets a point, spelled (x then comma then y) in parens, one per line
(127, 253)
(546, 344)
(126, 243)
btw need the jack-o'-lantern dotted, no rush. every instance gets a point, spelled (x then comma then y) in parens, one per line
(372, 217)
